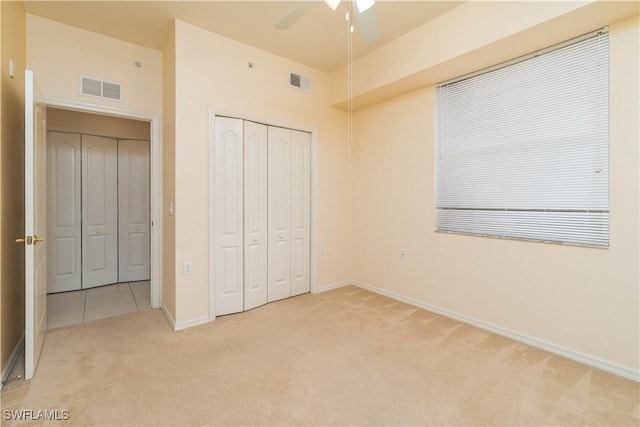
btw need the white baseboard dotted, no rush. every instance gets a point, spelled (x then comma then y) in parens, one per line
(179, 326)
(578, 356)
(326, 288)
(191, 323)
(168, 316)
(13, 359)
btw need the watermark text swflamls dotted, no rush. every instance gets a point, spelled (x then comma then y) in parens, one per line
(35, 415)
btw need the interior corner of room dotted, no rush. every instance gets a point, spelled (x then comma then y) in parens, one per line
(222, 175)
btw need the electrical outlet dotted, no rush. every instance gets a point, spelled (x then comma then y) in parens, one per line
(187, 268)
(403, 254)
(321, 249)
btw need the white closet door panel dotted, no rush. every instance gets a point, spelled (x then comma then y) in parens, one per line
(279, 171)
(255, 215)
(133, 211)
(64, 212)
(229, 241)
(100, 211)
(301, 212)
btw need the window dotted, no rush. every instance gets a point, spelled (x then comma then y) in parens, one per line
(522, 149)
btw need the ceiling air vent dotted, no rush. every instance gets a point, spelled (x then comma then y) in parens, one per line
(100, 88)
(300, 82)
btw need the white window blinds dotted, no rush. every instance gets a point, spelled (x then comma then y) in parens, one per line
(522, 150)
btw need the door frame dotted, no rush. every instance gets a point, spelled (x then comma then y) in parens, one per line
(213, 112)
(155, 178)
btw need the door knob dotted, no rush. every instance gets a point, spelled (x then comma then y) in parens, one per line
(255, 239)
(280, 236)
(98, 231)
(30, 240)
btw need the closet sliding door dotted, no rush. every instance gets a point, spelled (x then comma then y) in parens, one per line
(289, 213)
(63, 212)
(255, 215)
(279, 153)
(100, 211)
(229, 216)
(133, 211)
(98, 204)
(301, 212)
(262, 214)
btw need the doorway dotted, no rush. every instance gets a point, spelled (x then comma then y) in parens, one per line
(98, 192)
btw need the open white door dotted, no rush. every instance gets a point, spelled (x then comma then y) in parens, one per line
(34, 225)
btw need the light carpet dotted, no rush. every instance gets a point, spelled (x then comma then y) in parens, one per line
(344, 357)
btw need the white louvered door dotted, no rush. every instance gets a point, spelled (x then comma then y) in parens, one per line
(133, 211)
(229, 216)
(255, 215)
(100, 211)
(64, 245)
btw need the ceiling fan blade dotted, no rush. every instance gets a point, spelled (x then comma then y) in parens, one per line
(368, 25)
(294, 15)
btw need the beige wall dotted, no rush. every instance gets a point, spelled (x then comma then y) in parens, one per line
(212, 71)
(473, 36)
(169, 175)
(96, 124)
(58, 54)
(12, 46)
(582, 299)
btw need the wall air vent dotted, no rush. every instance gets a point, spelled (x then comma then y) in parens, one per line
(300, 82)
(100, 89)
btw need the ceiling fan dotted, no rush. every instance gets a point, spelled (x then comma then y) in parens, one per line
(363, 11)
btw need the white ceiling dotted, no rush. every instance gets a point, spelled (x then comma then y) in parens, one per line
(318, 39)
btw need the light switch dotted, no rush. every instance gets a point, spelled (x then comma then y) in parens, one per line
(187, 268)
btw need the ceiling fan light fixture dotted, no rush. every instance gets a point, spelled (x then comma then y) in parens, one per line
(364, 5)
(333, 4)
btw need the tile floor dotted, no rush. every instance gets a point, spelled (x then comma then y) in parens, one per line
(70, 308)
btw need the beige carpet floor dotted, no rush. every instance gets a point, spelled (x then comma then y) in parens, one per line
(344, 357)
